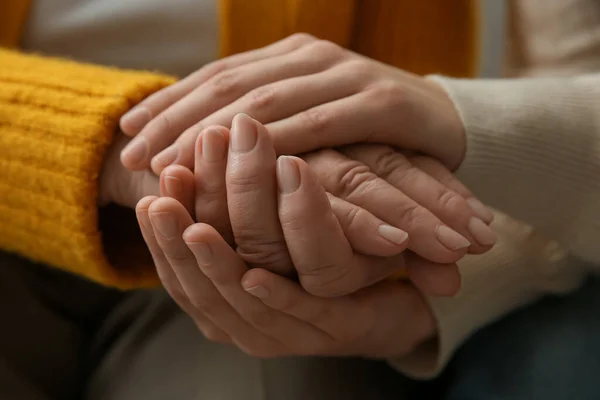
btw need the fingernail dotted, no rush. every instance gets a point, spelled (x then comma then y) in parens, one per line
(213, 145)
(173, 186)
(202, 251)
(481, 232)
(480, 209)
(243, 134)
(451, 239)
(288, 175)
(165, 223)
(137, 150)
(392, 234)
(167, 156)
(258, 291)
(137, 118)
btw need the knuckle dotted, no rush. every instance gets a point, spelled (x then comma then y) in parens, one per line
(175, 254)
(214, 68)
(300, 39)
(163, 122)
(264, 253)
(225, 84)
(388, 163)
(358, 68)
(246, 177)
(262, 97)
(450, 202)
(162, 98)
(315, 120)
(411, 214)
(326, 280)
(353, 217)
(354, 179)
(387, 92)
(324, 48)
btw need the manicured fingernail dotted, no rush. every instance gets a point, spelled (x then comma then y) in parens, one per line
(167, 156)
(202, 251)
(214, 147)
(480, 209)
(136, 151)
(288, 175)
(243, 134)
(481, 232)
(258, 291)
(165, 223)
(392, 234)
(174, 187)
(136, 119)
(451, 239)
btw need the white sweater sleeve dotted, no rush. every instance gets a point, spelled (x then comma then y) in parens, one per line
(534, 153)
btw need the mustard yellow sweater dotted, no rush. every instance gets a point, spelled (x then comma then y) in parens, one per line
(57, 117)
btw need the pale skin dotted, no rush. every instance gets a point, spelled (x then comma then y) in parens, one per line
(263, 313)
(313, 94)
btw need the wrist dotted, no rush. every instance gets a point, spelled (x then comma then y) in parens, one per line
(448, 138)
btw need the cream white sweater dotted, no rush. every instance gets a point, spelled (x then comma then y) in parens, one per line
(533, 153)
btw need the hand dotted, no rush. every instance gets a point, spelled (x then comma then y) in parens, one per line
(312, 94)
(119, 185)
(334, 246)
(268, 315)
(222, 195)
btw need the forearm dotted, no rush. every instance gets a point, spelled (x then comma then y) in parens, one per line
(533, 151)
(56, 120)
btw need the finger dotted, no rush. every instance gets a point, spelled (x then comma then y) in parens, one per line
(252, 197)
(168, 277)
(272, 102)
(178, 182)
(323, 257)
(443, 175)
(345, 121)
(291, 334)
(447, 205)
(135, 120)
(211, 189)
(341, 317)
(355, 183)
(366, 233)
(433, 279)
(169, 221)
(219, 91)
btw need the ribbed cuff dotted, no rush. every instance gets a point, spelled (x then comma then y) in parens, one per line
(529, 141)
(521, 268)
(57, 118)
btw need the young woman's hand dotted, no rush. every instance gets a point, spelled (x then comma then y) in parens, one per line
(310, 94)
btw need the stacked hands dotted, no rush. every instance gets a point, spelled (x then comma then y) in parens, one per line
(341, 221)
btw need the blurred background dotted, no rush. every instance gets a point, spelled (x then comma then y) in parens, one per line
(492, 41)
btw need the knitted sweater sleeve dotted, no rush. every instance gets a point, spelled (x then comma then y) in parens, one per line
(57, 118)
(533, 152)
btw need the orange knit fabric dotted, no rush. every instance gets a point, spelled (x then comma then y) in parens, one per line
(57, 117)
